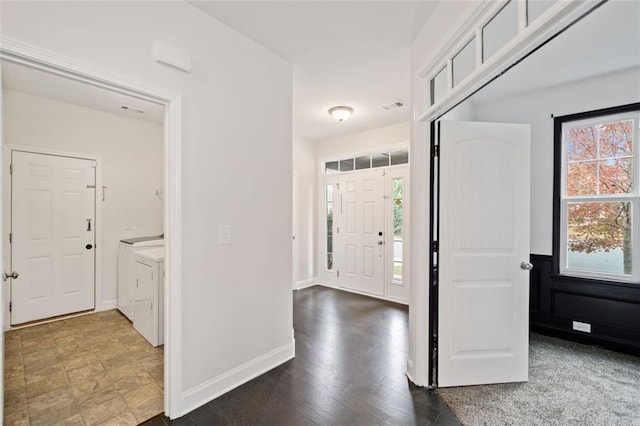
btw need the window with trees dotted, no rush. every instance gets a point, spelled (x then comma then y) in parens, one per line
(597, 203)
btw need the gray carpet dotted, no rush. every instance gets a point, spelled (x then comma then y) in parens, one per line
(569, 384)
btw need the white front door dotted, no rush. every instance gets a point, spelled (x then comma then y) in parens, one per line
(53, 234)
(483, 321)
(360, 238)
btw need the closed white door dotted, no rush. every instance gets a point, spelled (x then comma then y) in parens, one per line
(483, 328)
(360, 237)
(52, 225)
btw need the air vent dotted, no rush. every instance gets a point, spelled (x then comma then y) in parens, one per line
(396, 104)
(128, 108)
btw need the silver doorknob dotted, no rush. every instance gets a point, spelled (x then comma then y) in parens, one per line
(6, 276)
(526, 266)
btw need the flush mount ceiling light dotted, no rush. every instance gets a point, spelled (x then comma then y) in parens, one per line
(341, 113)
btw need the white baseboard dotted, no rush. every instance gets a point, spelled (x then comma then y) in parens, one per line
(210, 390)
(375, 296)
(108, 304)
(306, 283)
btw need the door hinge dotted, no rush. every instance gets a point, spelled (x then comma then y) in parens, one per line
(10, 237)
(10, 306)
(10, 168)
(435, 151)
(435, 246)
(337, 229)
(434, 343)
(338, 273)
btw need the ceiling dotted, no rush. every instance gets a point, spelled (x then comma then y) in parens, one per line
(578, 53)
(41, 83)
(353, 53)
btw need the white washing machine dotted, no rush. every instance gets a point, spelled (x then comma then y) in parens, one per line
(148, 300)
(126, 269)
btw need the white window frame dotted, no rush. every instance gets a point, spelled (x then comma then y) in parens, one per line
(633, 198)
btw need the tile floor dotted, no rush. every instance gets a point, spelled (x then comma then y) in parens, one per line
(88, 370)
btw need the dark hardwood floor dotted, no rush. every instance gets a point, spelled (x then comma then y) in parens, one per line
(351, 354)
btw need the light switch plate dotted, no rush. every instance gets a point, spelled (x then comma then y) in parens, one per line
(225, 234)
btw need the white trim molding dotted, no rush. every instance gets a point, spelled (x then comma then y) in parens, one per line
(306, 283)
(16, 51)
(212, 389)
(559, 16)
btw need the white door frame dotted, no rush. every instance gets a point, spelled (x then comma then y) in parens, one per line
(6, 210)
(17, 52)
(325, 276)
(557, 18)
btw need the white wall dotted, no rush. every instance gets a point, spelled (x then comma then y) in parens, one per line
(536, 108)
(132, 165)
(305, 212)
(236, 170)
(365, 142)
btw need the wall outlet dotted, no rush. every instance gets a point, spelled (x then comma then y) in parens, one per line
(582, 326)
(225, 234)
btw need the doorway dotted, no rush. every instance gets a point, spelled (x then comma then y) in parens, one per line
(168, 203)
(365, 216)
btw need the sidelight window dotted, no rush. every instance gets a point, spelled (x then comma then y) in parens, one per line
(597, 208)
(398, 225)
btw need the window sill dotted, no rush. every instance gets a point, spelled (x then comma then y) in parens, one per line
(595, 281)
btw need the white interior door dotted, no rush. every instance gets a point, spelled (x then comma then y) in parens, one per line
(53, 222)
(360, 239)
(483, 327)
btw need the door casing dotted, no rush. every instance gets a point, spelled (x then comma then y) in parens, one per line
(52, 62)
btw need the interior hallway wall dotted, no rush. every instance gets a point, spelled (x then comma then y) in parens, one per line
(537, 108)
(305, 214)
(365, 142)
(132, 165)
(236, 309)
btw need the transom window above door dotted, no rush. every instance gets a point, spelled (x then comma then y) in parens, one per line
(368, 161)
(597, 199)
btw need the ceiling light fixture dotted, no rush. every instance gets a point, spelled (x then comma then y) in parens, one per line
(341, 113)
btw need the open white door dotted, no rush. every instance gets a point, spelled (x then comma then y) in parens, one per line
(53, 231)
(483, 322)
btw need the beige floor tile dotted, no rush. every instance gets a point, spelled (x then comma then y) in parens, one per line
(79, 359)
(39, 361)
(75, 420)
(37, 344)
(78, 371)
(157, 373)
(134, 382)
(98, 397)
(125, 419)
(52, 407)
(38, 385)
(119, 360)
(86, 371)
(100, 413)
(18, 418)
(143, 396)
(15, 396)
(149, 409)
(84, 387)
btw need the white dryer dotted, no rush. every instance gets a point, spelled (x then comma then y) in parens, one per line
(148, 300)
(126, 269)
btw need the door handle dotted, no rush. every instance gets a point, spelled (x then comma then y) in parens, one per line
(380, 242)
(13, 275)
(526, 266)
(88, 225)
